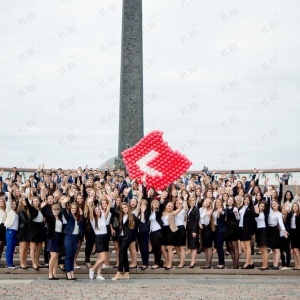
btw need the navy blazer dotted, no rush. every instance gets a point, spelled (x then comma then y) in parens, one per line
(71, 224)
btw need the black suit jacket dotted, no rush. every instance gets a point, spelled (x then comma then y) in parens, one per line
(193, 219)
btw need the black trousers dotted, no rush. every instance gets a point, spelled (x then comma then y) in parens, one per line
(155, 240)
(143, 241)
(89, 244)
(285, 247)
(124, 243)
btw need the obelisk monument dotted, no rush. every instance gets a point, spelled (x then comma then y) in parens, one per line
(131, 119)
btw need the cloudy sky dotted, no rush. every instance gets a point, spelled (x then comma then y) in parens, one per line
(221, 80)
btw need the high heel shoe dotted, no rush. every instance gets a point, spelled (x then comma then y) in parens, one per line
(68, 277)
(36, 268)
(191, 266)
(168, 268)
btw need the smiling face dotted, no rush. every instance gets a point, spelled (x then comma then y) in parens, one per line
(36, 202)
(125, 209)
(155, 204)
(246, 201)
(275, 205)
(192, 201)
(73, 209)
(230, 201)
(218, 204)
(295, 208)
(97, 211)
(169, 207)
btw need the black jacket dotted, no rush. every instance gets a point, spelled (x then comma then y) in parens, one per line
(193, 219)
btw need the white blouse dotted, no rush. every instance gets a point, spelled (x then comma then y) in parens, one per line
(154, 225)
(179, 218)
(241, 213)
(39, 218)
(102, 229)
(204, 219)
(260, 220)
(165, 220)
(58, 226)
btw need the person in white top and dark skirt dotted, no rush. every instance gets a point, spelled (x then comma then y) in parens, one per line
(98, 222)
(293, 223)
(247, 227)
(275, 224)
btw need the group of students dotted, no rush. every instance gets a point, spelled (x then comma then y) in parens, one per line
(62, 209)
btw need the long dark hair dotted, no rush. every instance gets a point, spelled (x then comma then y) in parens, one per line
(131, 223)
(77, 215)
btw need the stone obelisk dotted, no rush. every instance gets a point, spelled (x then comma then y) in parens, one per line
(131, 119)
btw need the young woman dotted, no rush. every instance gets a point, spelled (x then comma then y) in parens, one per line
(80, 203)
(114, 227)
(143, 234)
(207, 229)
(88, 231)
(135, 209)
(156, 224)
(105, 208)
(98, 222)
(192, 227)
(26, 214)
(168, 232)
(128, 224)
(73, 233)
(54, 236)
(219, 217)
(285, 251)
(11, 225)
(275, 221)
(261, 233)
(247, 228)
(2, 221)
(293, 223)
(232, 234)
(180, 234)
(37, 237)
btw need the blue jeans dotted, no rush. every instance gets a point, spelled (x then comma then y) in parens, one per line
(70, 244)
(11, 241)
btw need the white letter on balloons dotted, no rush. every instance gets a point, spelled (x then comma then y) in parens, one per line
(142, 163)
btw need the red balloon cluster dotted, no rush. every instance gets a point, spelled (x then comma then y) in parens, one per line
(152, 157)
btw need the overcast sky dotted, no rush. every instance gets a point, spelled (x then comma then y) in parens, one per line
(221, 80)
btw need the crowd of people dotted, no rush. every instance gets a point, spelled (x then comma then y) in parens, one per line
(56, 210)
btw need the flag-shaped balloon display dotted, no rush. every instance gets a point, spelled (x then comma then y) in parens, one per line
(153, 158)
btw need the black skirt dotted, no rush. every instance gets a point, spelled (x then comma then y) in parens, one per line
(24, 234)
(294, 238)
(245, 234)
(168, 237)
(56, 244)
(207, 236)
(2, 232)
(101, 242)
(273, 237)
(261, 237)
(38, 233)
(180, 236)
(193, 242)
(232, 233)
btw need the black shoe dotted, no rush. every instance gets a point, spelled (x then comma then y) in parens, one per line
(144, 268)
(191, 266)
(24, 268)
(180, 267)
(263, 269)
(68, 278)
(51, 278)
(168, 268)
(133, 267)
(275, 268)
(36, 268)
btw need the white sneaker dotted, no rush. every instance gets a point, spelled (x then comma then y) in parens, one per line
(285, 268)
(100, 277)
(104, 266)
(91, 273)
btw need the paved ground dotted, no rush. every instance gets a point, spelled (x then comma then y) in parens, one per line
(173, 287)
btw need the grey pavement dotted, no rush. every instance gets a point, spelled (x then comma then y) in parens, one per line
(167, 287)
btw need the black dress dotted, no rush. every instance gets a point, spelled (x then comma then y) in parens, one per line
(192, 226)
